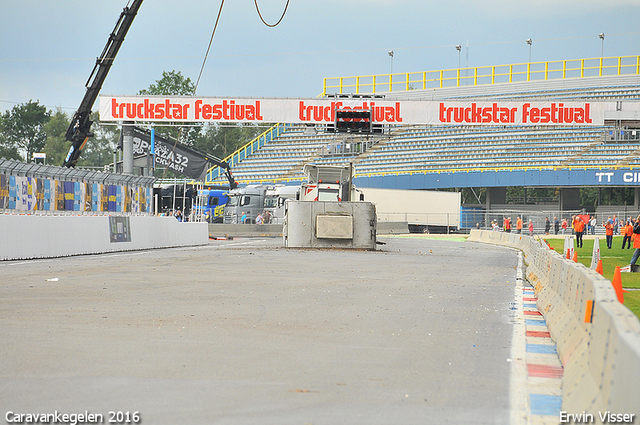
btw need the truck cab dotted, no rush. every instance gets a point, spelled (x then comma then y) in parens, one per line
(328, 183)
(210, 203)
(248, 200)
(275, 199)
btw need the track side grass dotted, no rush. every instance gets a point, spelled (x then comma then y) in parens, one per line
(616, 256)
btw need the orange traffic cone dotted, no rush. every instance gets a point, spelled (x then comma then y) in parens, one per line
(549, 245)
(575, 256)
(617, 284)
(599, 267)
(568, 254)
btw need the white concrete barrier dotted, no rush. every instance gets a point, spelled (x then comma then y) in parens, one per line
(46, 236)
(600, 353)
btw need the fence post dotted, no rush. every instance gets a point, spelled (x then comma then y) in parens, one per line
(601, 60)
(546, 71)
(619, 65)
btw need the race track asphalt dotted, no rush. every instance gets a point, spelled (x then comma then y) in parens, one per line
(247, 332)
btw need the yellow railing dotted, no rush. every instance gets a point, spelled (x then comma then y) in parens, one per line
(246, 150)
(484, 75)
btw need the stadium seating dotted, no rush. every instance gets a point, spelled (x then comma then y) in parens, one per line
(407, 149)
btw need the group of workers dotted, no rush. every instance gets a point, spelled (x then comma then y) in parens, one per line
(262, 218)
(629, 229)
(579, 225)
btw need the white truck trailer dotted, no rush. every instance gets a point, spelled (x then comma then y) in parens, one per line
(423, 210)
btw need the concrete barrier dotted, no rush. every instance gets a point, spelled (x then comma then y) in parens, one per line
(219, 230)
(48, 236)
(392, 228)
(600, 354)
(324, 224)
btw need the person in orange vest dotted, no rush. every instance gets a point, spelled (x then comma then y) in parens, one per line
(608, 227)
(519, 225)
(507, 224)
(627, 231)
(636, 242)
(578, 227)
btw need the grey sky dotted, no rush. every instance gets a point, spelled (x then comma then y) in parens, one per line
(48, 48)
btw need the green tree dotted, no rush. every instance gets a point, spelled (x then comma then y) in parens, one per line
(215, 139)
(470, 195)
(8, 150)
(99, 149)
(589, 196)
(56, 146)
(223, 140)
(173, 83)
(23, 127)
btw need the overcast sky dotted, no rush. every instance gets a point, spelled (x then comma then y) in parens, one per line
(48, 48)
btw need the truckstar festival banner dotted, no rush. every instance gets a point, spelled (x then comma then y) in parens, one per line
(322, 111)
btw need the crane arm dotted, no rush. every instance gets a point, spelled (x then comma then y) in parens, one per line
(79, 129)
(227, 171)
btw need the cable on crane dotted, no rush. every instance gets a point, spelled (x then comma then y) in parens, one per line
(279, 20)
(208, 48)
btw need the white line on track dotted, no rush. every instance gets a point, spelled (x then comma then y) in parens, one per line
(518, 377)
(131, 253)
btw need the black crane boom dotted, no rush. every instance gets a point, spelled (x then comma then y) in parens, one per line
(79, 129)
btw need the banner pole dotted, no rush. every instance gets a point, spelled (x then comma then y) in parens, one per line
(153, 152)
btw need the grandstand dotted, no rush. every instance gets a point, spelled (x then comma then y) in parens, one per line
(416, 157)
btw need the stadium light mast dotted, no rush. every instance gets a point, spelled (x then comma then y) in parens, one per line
(459, 49)
(601, 36)
(390, 53)
(529, 42)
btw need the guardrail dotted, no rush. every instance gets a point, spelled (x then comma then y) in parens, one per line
(484, 75)
(600, 351)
